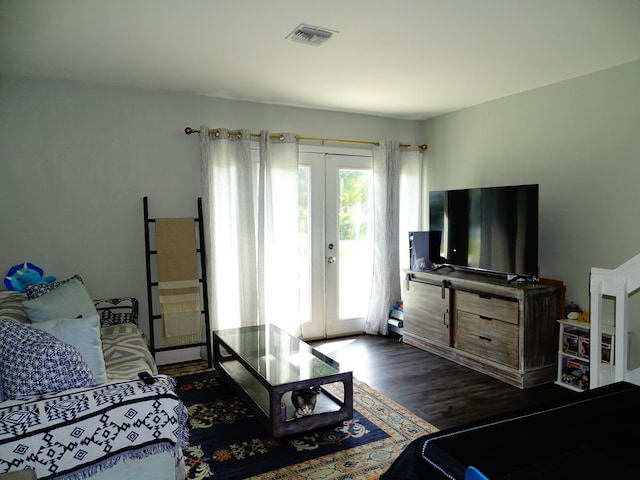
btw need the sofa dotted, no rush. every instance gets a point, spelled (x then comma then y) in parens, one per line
(72, 405)
(592, 434)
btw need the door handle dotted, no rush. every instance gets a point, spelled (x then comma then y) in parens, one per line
(445, 284)
(331, 260)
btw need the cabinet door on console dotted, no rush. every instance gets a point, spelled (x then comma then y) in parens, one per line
(426, 313)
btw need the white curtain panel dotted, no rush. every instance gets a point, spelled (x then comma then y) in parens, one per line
(410, 178)
(278, 274)
(230, 235)
(396, 186)
(251, 233)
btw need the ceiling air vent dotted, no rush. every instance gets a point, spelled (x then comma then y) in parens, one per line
(310, 35)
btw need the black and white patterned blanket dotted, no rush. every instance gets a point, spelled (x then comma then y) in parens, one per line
(82, 431)
(125, 352)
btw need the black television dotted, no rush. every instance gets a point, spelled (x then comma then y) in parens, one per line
(490, 229)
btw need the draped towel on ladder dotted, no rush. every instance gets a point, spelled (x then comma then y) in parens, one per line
(178, 281)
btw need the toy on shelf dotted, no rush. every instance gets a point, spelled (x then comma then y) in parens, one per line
(584, 316)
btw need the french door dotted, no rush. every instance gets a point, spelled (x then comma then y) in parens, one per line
(336, 242)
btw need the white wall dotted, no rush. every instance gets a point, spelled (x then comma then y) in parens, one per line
(76, 159)
(580, 140)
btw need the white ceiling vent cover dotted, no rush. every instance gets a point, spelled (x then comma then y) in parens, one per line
(310, 35)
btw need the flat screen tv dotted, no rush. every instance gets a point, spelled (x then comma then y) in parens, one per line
(492, 229)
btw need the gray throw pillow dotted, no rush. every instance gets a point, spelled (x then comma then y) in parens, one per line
(70, 300)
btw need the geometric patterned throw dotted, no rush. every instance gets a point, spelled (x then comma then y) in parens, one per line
(90, 429)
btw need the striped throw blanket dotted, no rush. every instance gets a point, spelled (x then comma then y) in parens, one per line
(178, 281)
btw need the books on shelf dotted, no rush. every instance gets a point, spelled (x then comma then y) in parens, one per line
(584, 342)
(577, 342)
(575, 373)
(570, 340)
(607, 349)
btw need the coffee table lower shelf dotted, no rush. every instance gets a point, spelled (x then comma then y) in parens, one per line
(272, 403)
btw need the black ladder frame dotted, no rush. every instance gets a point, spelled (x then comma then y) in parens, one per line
(202, 280)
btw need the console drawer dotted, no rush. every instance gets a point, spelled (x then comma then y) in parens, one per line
(488, 306)
(489, 338)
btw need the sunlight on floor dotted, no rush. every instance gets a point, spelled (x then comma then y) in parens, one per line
(332, 346)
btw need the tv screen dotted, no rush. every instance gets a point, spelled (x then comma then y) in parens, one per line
(494, 229)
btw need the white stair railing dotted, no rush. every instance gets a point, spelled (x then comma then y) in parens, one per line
(619, 283)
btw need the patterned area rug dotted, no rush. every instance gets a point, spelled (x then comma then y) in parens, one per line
(226, 441)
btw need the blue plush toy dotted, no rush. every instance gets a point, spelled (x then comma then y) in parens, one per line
(19, 276)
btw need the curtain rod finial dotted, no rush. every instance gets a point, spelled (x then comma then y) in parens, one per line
(423, 146)
(188, 130)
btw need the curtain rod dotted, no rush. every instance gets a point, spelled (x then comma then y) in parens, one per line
(190, 130)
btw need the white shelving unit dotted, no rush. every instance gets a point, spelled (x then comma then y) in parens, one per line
(574, 354)
(620, 283)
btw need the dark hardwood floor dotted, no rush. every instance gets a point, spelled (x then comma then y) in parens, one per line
(440, 391)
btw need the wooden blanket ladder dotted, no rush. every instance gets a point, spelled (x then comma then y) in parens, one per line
(152, 285)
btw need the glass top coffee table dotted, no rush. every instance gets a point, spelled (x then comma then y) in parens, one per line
(267, 364)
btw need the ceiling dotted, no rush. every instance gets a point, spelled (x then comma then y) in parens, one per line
(409, 59)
